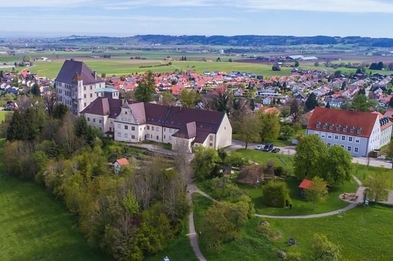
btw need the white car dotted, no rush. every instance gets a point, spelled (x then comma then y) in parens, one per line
(259, 147)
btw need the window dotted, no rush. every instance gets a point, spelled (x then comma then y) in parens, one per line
(119, 126)
(152, 128)
(100, 121)
(126, 135)
(356, 149)
(164, 129)
(170, 137)
(125, 112)
(211, 144)
(88, 118)
(342, 137)
(157, 137)
(84, 104)
(157, 129)
(126, 127)
(323, 135)
(329, 136)
(119, 134)
(350, 139)
(84, 96)
(91, 87)
(133, 128)
(94, 120)
(357, 140)
(211, 137)
(148, 127)
(84, 88)
(328, 144)
(349, 148)
(336, 137)
(164, 137)
(133, 137)
(342, 146)
(91, 95)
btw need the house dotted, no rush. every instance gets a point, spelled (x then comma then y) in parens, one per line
(118, 164)
(138, 122)
(357, 132)
(101, 114)
(76, 85)
(181, 127)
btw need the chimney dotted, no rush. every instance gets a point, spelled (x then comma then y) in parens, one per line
(95, 75)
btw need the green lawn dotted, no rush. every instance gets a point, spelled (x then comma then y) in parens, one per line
(363, 233)
(299, 205)
(2, 115)
(262, 157)
(36, 226)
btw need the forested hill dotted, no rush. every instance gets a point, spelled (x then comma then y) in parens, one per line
(238, 40)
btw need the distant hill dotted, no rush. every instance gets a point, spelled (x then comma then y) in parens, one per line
(236, 41)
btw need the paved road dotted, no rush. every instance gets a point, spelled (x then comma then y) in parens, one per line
(291, 150)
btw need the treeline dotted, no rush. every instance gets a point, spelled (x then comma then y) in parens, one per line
(130, 215)
(237, 40)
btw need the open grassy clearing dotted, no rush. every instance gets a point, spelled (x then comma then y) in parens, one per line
(2, 115)
(35, 226)
(363, 233)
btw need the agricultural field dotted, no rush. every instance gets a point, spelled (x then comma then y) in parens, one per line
(36, 226)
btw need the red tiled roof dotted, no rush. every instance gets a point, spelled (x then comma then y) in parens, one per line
(122, 161)
(305, 184)
(349, 122)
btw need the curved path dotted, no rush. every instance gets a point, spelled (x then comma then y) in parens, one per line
(194, 236)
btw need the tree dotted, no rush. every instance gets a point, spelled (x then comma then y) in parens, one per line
(248, 128)
(317, 191)
(337, 166)
(295, 110)
(188, 98)
(310, 153)
(145, 89)
(311, 102)
(224, 220)
(296, 63)
(35, 90)
(286, 132)
(378, 184)
(167, 98)
(391, 102)
(204, 163)
(360, 103)
(324, 250)
(269, 126)
(221, 101)
(316, 64)
(276, 194)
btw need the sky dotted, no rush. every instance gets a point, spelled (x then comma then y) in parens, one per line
(52, 18)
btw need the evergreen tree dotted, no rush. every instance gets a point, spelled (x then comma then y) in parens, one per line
(311, 102)
(145, 89)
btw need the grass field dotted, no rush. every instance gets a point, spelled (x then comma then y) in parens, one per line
(363, 233)
(36, 226)
(2, 115)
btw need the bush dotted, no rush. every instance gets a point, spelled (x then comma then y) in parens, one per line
(269, 232)
(276, 194)
(279, 170)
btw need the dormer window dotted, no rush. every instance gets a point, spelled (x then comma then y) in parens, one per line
(359, 131)
(352, 130)
(338, 128)
(325, 125)
(345, 129)
(331, 127)
(318, 125)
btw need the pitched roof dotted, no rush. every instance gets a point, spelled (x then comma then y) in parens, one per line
(104, 106)
(352, 123)
(76, 70)
(305, 184)
(123, 161)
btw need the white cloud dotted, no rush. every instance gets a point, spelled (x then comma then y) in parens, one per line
(337, 6)
(45, 3)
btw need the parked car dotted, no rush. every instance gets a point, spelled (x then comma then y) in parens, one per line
(276, 150)
(268, 147)
(259, 147)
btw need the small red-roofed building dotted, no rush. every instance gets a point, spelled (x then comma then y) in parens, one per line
(118, 164)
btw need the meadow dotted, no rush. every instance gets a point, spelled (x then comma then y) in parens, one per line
(363, 234)
(36, 226)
